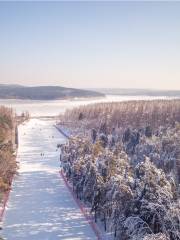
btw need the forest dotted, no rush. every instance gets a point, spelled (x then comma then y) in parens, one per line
(123, 161)
(8, 141)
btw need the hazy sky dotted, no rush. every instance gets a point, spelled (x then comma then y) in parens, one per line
(91, 44)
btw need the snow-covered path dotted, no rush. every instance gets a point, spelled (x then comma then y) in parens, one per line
(40, 206)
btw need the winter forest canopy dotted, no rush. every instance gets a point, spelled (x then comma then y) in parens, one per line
(8, 146)
(7, 140)
(123, 160)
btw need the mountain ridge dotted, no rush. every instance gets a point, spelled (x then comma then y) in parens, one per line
(137, 92)
(44, 92)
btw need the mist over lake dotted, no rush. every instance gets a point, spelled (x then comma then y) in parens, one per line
(54, 107)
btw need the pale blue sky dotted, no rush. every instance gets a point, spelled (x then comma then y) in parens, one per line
(91, 44)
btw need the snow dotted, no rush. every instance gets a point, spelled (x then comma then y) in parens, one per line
(40, 206)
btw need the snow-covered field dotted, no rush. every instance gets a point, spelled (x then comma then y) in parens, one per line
(40, 206)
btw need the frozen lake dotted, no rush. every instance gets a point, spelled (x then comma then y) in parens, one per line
(52, 108)
(40, 206)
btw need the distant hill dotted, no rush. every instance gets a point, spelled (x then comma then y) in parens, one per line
(44, 92)
(138, 92)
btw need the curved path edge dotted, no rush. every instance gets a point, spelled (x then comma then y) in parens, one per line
(88, 216)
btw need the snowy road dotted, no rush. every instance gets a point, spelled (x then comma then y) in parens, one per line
(40, 206)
